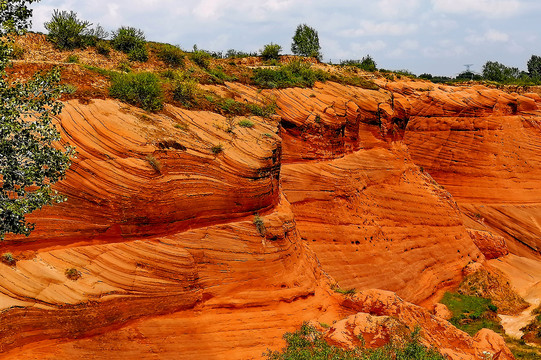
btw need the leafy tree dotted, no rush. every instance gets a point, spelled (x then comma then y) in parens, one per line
(29, 164)
(271, 52)
(306, 42)
(66, 30)
(368, 63)
(495, 71)
(534, 66)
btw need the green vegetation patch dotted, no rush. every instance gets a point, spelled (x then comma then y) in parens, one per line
(170, 55)
(471, 313)
(309, 344)
(139, 89)
(294, 74)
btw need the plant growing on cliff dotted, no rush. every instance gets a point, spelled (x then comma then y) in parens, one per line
(306, 42)
(471, 313)
(201, 57)
(216, 149)
(127, 38)
(271, 52)
(185, 91)
(246, 123)
(171, 55)
(260, 225)
(66, 31)
(296, 73)
(8, 259)
(309, 344)
(72, 274)
(29, 163)
(154, 163)
(139, 89)
(130, 41)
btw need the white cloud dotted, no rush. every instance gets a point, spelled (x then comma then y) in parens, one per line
(398, 8)
(491, 36)
(368, 28)
(420, 34)
(368, 47)
(490, 8)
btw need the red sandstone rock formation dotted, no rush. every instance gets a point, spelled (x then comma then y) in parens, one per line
(161, 228)
(492, 246)
(436, 332)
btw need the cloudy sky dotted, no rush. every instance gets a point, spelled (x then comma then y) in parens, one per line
(423, 36)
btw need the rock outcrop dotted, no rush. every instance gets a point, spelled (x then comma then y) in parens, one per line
(160, 221)
(380, 306)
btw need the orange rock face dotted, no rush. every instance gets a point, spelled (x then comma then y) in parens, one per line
(161, 210)
(127, 160)
(492, 246)
(436, 332)
(482, 145)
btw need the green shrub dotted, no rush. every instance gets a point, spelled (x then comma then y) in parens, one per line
(127, 38)
(17, 52)
(154, 163)
(216, 149)
(69, 89)
(230, 106)
(309, 344)
(181, 126)
(271, 51)
(246, 123)
(346, 292)
(103, 48)
(138, 54)
(201, 58)
(235, 54)
(72, 274)
(124, 66)
(171, 55)
(139, 89)
(219, 76)
(95, 35)
(66, 31)
(366, 63)
(260, 225)
(471, 313)
(293, 74)
(185, 92)
(8, 259)
(263, 111)
(73, 59)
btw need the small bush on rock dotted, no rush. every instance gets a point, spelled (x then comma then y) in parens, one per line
(138, 54)
(185, 92)
(201, 58)
(8, 259)
(72, 274)
(103, 48)
(171, 55)
(139, 89)
(260, 225)
(271, 52)
(127, 38)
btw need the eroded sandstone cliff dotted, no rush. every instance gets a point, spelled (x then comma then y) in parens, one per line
(356, 188)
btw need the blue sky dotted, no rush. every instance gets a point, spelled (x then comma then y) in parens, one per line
(423, 36)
